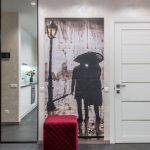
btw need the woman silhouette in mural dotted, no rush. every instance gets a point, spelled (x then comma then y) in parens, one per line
(86, 79)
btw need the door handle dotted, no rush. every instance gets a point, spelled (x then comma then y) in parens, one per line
(120, 85)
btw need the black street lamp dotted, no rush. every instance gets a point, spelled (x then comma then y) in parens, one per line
(51, 32)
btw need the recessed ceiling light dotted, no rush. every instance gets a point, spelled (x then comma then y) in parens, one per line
(33, 3)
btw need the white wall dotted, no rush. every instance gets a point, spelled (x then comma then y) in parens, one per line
(10, 68)
(109, 9)
(28, 48)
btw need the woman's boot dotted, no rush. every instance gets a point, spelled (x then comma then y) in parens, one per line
(97, 127)
(80, 128)
(86, 122)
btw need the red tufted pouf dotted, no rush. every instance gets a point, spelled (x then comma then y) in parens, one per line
(60, 133)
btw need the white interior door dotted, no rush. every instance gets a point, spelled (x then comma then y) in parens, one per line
(132, 82)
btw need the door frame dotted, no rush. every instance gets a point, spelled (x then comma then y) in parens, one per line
(37, 6)
(113, 22)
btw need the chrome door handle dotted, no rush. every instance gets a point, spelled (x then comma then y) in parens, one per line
(120, 85)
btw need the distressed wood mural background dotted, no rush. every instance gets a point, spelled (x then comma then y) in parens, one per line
(74, 37)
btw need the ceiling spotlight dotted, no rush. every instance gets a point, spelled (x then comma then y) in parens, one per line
(33, 3)
(87, 65)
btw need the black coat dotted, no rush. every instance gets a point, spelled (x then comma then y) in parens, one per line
(87, 84)
(92, 91)
(78, 82)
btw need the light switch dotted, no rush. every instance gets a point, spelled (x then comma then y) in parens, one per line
(42, 89)
(7, 111)
(13, 85)
(106, 89)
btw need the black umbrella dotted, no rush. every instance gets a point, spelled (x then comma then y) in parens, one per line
(89, 57)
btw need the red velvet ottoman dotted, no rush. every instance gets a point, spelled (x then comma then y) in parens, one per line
(60, 133)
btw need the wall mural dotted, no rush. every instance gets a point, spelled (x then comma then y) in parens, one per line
(74, 71)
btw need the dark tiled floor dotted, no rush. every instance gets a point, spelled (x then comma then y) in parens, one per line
(25, 131)
(81, 147)
(115, 147)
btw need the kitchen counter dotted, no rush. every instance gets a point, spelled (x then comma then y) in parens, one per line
(28, 84)
(28, 98)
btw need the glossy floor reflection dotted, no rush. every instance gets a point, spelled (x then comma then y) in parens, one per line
(81, 147)
(25, 131)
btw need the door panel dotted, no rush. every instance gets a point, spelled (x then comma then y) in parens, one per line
(136, 129)
(132, 82)
(136, 73)
(136, 54)
(135, 36)
(141, 92)
(134, 111)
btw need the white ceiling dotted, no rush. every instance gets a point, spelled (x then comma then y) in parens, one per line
(28, 13)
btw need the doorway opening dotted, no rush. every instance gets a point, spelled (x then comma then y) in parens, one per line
(19, 71)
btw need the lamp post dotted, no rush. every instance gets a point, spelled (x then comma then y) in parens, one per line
(51, 32)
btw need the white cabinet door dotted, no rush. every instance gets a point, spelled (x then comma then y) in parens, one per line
(132, 82)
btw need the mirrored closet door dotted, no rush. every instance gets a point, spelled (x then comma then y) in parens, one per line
(19, 71)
